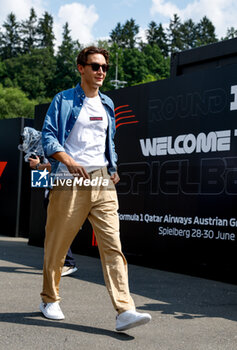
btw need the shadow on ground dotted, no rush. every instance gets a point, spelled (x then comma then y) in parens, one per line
(181, 296)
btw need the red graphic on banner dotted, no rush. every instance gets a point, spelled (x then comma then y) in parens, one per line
(94, 241)
(124, 115)
(2, 167)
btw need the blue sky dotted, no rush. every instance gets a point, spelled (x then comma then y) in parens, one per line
(90, 20)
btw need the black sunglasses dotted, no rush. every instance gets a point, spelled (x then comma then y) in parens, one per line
(96, 66)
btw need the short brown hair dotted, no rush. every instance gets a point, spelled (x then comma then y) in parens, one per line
(83, 55)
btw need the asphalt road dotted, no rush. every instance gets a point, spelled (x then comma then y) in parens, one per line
(188, 313)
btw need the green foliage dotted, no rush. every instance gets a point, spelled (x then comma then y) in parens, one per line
(137, 65)
(14, 103)
(29, 33)
(135, 69)
(66, 74)
(231, 34)
(189, 32)
(156, 36)
(45, 32)
(157, 64)
(174, 35)
(148, 79)
(2, 68)
(205, 32)
(34, 73)
(10, 39)
(31, 72)
(125, 35)
(187, 35)
(116, 59)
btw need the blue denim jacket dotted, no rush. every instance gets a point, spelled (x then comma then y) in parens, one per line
(60, 119)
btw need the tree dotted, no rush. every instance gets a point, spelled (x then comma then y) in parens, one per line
(134, 66)
(66, 73)
(130, 30)
(116, 64)
(14, 103)
(33, 73)
(29, 32)
(156, 36)
(157, 65)
(205, 32)
(188, 34)
(231, 34)
(2, 68)
(148, 79)
(1, 44)
(151, 33)
(125, 36)
(116, 35)
(174, 36)
(10, 39)
(45, 32)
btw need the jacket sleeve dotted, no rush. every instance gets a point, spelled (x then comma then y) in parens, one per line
(50, 132)
(113, 168)
(113, 134)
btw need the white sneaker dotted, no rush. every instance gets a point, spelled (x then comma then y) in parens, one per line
(130, 319)
(52, 311)
(67, 270)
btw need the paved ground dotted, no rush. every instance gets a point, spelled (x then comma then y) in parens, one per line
(188, 313)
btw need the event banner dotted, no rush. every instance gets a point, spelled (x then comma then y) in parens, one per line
(14, 179)
(177, 146)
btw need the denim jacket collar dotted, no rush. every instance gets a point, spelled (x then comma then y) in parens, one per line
(81, 95)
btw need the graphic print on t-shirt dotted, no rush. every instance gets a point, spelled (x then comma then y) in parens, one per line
(96, 118)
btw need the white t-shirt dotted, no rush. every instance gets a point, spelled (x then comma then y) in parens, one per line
(86, 142)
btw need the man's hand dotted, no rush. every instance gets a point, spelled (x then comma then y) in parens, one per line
(73, 167)
(33, 162)
(78, 170)
(115, 178)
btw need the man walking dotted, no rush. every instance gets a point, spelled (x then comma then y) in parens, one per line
(77, 137)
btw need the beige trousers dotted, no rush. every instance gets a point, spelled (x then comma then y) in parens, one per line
(67, 210)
